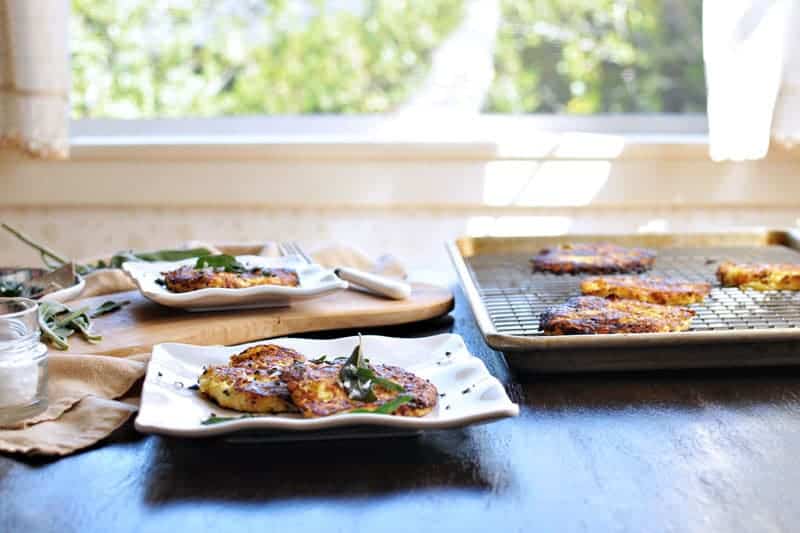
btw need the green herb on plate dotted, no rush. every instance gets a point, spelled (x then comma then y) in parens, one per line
(357, 378)
(214, 419)
(228, 263)
(389, 407)
(10, 289)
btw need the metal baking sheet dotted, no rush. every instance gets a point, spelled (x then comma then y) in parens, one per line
(732, 327)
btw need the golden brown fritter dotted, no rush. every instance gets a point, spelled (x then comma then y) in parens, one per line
(593, 258)
(266, 356)
(591, 314)
(246, 389)
(761, 277)
(654, 290)
(316, 390)
(188, 278)
(251, 381)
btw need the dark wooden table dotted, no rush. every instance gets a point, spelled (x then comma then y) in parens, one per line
(694, 451)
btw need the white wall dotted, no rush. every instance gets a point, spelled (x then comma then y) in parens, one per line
(405, 199)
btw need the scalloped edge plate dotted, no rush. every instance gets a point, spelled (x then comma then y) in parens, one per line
(315, 281)
(169, 407)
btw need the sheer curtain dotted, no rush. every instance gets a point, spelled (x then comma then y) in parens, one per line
(34, 77)
(752, 55)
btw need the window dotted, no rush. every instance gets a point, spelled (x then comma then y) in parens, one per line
(140, 59)
(599, 56)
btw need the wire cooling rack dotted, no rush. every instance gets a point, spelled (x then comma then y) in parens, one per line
(515, 296)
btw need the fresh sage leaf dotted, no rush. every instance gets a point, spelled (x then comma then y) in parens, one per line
(108, 306)
(53, 260)
(82, 324)
(68, 316)
(160, 255)
(58, 322)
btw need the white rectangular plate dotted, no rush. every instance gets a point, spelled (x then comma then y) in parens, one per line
(471, 394)
(315, 281)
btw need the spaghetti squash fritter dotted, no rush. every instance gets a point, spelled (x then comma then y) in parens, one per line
(582, 315)
(250, 390)
(593, 258)
(272, 379)
(316, 389)
(269, 356)
(761, 277)
(188, 278)
(251, 381)
(665, 291)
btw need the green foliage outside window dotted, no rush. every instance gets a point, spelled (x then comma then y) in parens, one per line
(139, 58)
(599, 56)
(145, 59)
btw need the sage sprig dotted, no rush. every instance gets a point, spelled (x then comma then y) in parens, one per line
(53, 259)
(58, 322)
(357, 378)
(357, 387)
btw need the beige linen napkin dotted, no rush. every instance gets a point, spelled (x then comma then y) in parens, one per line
(87, 392)
(82, 407)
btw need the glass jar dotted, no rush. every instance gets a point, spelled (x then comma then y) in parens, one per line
(23, 361)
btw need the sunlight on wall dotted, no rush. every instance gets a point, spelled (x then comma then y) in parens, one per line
(657, 225)
(547, 184)
(505, 180)
(517, 226)
(565, 183)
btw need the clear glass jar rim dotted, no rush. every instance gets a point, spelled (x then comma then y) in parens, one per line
(31, 306)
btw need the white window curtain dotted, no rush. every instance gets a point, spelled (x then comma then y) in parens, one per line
(34, 77)
(751, 50)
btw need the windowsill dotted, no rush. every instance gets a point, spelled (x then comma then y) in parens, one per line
(403, 137)
(563, 146)
(395, 137)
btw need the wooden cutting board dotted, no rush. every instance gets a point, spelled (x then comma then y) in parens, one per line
(137, 327)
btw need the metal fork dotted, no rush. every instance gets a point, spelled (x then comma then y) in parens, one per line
(390, 288)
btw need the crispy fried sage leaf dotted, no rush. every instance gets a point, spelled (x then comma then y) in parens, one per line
(356, 387)
(357, 378)
(214, 419)
(389, 407)
(228, 263)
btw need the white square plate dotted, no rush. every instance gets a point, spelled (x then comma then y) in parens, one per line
(470, 393)
(315, 281)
